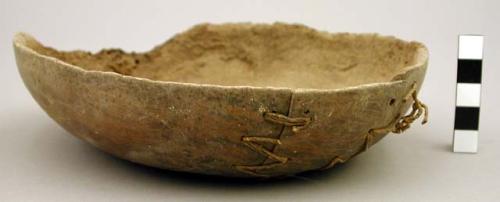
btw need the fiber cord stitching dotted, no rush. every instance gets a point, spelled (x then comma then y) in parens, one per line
(297, 123)
(398, 125)
(402, 123)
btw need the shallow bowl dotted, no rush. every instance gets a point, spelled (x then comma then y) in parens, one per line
(241, 100)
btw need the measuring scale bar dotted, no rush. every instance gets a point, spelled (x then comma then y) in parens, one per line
(468, 93)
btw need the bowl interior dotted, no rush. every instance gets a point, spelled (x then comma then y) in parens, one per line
(277, 55)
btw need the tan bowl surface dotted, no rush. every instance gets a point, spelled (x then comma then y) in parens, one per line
(239, 100)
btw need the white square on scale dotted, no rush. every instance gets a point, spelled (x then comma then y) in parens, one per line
(465, 141)
(470, 47)
(468, 94)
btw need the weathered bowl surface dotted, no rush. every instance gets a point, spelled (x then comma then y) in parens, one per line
(241, 100)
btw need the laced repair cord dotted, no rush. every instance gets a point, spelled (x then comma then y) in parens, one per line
(398, 125)
(250, 142)
(253, 142)
(402, 123)
(334, 162)
(418, 108)
(297, 123)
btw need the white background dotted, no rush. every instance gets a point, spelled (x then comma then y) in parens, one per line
(40, 161)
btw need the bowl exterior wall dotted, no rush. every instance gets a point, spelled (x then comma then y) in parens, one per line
(212, 129)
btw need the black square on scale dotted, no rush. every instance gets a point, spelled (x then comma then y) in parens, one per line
(469, 71)
(467, 118)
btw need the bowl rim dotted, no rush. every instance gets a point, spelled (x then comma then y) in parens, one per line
(21, 40)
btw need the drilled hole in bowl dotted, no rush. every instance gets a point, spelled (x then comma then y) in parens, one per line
(392, 102)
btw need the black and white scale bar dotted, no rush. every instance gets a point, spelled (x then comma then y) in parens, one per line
(468, 94)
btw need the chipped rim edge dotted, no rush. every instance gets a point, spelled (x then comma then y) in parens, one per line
(21, 38)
